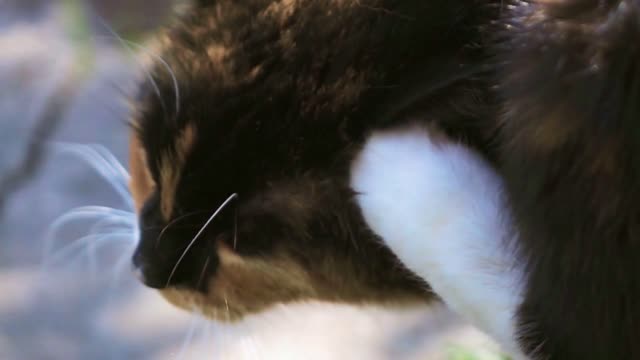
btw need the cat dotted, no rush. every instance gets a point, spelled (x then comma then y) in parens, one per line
(266, 119)
(558, 278)
(394, 152)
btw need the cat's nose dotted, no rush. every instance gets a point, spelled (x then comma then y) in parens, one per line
(148, 263)
(163, 258)
(191, 275)
(146, 274)
(164, 262)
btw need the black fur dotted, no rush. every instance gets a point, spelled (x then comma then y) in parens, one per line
(282, 115)
(571, 157)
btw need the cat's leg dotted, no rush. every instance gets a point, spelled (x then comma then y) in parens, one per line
(439, 207)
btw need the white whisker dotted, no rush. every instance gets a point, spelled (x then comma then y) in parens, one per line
(94, 154)
(118, 270)
(107, 228)
(204, 270)
(85, 214)
(92, 263)
(99, 216)
(112, 160)
(92, 249)
(254, 347)
(95, 213)
(206, 335)
(147, 73)
(89, 213)
(186, 250)
(112, 175)
(176, 88)
(99, 211)
(193, 323)
(249, 346)
(106, 225)
(227, 335)
(235, 228)
(99, 239)
(166, 227)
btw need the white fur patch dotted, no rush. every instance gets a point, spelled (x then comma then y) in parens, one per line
(439, 207)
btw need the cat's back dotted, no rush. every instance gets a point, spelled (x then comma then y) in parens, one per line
(309, 64)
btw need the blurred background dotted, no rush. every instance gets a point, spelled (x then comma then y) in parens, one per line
(67, 227)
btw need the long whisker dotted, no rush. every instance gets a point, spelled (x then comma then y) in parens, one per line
(104, 167)
(226, 304)
(166, 227)
(106, 225)
(193, 324)
(110, 159)
(92, 210)
(204, 270)
(227, 312)
(99, 213)
(174, 79)
(95, 155)
(254, 347)
(175, 267)
(118, 270)
(110, 230)
(126, 43)
(249, 347)
(110, 238)
(206, 335)
(235, 227)
(102, 154)
(147, 73)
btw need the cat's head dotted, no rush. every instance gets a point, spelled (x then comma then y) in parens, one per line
(234, 127)
(281, 232)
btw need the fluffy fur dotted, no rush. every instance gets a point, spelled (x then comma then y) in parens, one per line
(439, 207)
(276, 100)
(570, 94)
(271, 100)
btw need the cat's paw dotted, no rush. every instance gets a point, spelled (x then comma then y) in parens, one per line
(438, 206)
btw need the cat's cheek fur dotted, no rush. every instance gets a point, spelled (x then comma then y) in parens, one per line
(438, 206)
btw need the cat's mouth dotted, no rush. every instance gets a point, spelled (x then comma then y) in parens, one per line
(208, 274)
(295, 240)
(237, 285)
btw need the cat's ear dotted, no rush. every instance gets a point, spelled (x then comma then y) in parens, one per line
(141, 182)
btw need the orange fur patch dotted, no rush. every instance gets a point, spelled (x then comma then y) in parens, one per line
(171, 166)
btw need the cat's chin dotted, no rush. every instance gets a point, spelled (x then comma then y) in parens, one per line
(244, 286)
(199, 303)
